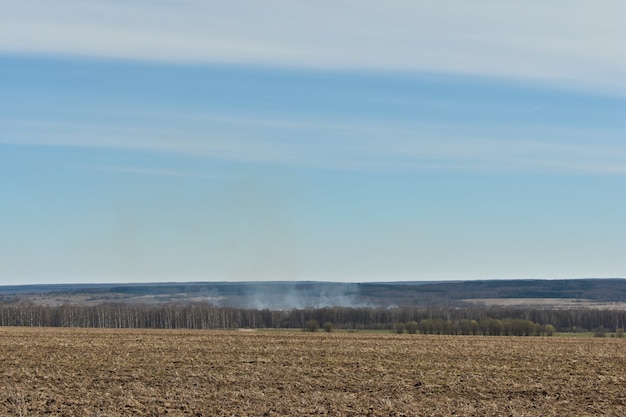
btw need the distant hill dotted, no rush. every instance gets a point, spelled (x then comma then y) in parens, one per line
(301, 294)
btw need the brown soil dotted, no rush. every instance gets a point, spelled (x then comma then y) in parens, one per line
(80, 372)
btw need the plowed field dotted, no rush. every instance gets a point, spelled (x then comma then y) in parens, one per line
(80, 372)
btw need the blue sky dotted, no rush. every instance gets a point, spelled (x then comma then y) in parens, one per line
(340, 141)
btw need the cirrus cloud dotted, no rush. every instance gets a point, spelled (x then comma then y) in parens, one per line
(576, 43)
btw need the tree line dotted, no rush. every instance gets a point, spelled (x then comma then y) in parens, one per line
(443, 320)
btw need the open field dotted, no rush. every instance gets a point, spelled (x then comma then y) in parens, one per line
(548, 303)
(85, 372)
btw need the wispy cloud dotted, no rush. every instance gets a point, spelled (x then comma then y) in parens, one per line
(150, 171)
(578, 43)
(365, 148)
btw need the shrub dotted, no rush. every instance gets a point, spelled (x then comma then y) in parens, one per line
(494, 327)
(328, 327)
(411, 327)
(311, 326)
(619, 332)
(399, 327)
(600, 332)
(550, 330)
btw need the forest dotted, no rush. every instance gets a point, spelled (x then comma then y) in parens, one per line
(431, 320)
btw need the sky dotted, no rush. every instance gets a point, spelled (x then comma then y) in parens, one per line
(147, 141)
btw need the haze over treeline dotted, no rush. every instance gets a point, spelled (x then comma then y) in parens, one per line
(299, 294)
(440, 308)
